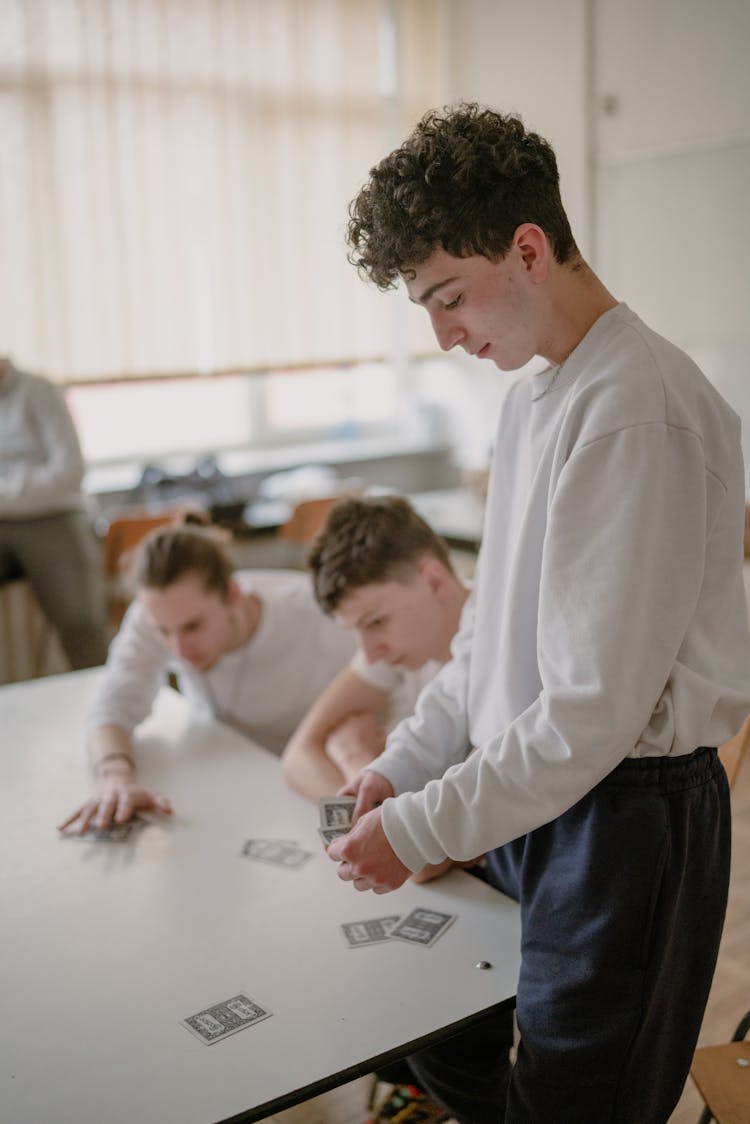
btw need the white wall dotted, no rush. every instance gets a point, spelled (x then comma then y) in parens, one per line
(647, 104)
(674, 176)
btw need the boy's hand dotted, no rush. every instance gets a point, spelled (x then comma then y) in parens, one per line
(370, 788)
(366, 857)
(117, 797)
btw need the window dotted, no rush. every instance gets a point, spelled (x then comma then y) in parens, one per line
(176, 174)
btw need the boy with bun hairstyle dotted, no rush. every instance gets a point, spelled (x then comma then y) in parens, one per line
(250, 647)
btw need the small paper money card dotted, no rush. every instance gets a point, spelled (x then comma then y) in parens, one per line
(113, 833)
(374, 930)
(422, 926)
(216, 1023)
(336, 811)
(335, 817)
(277, 852)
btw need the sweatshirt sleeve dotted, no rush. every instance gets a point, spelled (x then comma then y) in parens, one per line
(621, 574)
(135, 670)
(58, 466)
(426, 743)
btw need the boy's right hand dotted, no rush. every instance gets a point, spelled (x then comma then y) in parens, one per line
(371, 789)
(117, 797)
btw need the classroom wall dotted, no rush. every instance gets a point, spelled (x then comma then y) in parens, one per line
(673, 164)
(646, 104)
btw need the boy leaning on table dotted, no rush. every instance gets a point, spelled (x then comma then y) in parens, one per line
(249, 647)
(607, 655)
(381, 571)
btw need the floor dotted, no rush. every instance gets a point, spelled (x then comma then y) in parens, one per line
(728, 1002)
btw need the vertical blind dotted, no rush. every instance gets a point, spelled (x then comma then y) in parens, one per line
(175, 174)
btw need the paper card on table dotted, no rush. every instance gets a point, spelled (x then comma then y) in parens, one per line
(225, 1018)
(278, 852)
(113, 833)
(422, 926)
(374, 930)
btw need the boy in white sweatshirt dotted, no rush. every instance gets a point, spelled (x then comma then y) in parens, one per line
(382, 573)
(249, 647)
(608, 654)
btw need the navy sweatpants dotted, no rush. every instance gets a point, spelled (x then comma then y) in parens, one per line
(622, 905)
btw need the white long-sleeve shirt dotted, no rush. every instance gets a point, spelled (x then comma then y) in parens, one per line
(609, 616)
(41, 465)
(263, 688)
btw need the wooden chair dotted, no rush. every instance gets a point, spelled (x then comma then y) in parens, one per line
(722, 1073)
(307, 517)
(123, 534)
(722, 1077)
(734, 751)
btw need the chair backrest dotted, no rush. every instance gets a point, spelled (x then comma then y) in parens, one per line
(123, 534)
(307, 518)
(722, 1077)
(733, 752)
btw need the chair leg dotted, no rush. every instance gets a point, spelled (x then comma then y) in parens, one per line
(372, 1093)
(742, 1029)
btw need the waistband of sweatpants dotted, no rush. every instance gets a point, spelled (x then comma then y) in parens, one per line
(666, 774)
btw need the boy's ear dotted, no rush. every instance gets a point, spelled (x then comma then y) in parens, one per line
(434, 573)
(532, 245)
(234, 592)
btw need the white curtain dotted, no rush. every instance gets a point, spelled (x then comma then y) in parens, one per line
(174, 177)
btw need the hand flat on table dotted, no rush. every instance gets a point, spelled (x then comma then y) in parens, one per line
(117, 798)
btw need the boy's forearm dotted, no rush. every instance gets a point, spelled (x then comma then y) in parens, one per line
(110, 750)
(308, 770)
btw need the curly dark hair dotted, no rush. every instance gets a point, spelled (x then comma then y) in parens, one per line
(375, 539)
(465, 179)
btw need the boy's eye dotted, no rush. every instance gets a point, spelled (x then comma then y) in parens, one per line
(454, 303)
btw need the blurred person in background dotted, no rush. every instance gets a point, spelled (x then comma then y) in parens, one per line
(45, 533)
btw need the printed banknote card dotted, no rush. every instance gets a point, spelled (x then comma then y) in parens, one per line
(422, 926)
(336, 811)
(113, 833)
(216, 1023)
(374, 930)
(278, 852)
(328, 834)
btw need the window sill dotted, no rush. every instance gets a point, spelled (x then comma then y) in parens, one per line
(106, 480)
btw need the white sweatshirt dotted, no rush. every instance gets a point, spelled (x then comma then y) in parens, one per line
(41, 466)
(264, 688)
(609, 616)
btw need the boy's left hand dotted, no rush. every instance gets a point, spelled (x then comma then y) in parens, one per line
(366, 858)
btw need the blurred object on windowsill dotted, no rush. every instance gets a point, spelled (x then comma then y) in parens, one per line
(477, 479)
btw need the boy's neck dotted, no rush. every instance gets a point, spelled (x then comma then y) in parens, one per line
(577, 298)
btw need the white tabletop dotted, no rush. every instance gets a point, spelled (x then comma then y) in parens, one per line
(104, 947)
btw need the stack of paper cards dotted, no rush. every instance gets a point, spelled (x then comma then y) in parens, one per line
(335, 817)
